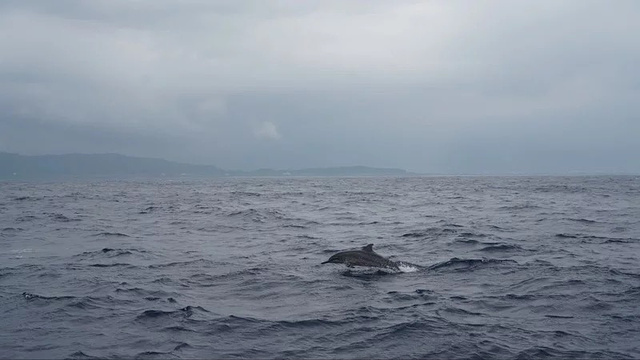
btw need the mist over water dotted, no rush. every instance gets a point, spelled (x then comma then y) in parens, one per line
(511, 267)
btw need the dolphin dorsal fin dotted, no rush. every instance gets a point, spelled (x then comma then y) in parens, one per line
(368, 248)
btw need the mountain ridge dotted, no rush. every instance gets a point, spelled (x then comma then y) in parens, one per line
(16, 166)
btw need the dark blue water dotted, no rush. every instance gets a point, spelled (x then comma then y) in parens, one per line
(522, 267)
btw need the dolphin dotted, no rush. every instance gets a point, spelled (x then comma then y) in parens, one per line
(363, 257)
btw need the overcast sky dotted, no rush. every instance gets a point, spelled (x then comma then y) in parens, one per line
(487, 86)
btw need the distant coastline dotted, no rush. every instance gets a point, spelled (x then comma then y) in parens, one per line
(44, 167)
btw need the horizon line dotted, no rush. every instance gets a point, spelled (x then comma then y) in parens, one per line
(409, 173)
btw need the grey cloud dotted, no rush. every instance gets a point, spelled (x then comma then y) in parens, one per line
(436, 86)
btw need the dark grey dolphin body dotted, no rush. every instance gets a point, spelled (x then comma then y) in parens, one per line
(363, 257)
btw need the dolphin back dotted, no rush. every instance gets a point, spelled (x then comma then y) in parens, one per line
(362, 257)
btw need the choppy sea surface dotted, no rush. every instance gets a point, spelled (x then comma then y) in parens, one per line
(514, 267)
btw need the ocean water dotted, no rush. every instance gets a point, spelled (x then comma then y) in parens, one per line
(514, 268)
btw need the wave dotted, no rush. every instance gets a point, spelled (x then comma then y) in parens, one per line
(185, 312)
(28, 198)
(294, 226)
(156, 355)
(544, 352)
(459, 311)
(81, 355)
(77, 302)
(149, 209)
(518, 297)
(496, 227)
(581, 220)
(109, 253)
(561, 188)
(519, 207)
(113, 265)
(245, 193)
(198, 262)
(430, 232)
(150, 314)
(417, 294)
(111, 234)
(600, 238)
(472, 235)
(454, 225)
(470, 264)
(181, 346)
(259, 215)
(179, 328)
(501, 248)
(12, 229)
(26, 218)
(235, 321)
(635, 291)
(367, 274)
(567, 236)
(147, 294)
(621, 240)
(467, 241)
(30, 296)
(62, 218)
(307, 237)
(207, 280)
(407, 267)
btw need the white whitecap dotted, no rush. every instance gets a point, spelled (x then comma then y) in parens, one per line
(407, 268)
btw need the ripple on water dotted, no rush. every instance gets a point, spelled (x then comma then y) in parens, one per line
(229, 268)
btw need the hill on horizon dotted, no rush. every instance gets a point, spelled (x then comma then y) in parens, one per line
(15, 166)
